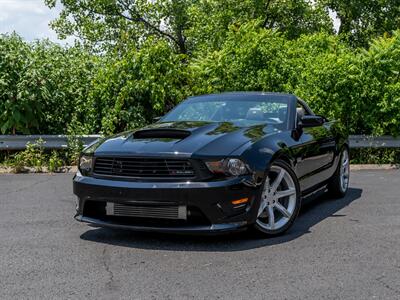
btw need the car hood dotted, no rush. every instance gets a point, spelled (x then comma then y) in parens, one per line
(190, 139)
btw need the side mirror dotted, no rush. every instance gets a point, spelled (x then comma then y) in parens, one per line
(311, 121)
(156, 119)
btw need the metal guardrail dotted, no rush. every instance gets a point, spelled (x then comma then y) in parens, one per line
(365, 141)
(18, 142)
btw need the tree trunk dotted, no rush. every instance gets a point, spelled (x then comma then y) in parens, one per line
(181, 42)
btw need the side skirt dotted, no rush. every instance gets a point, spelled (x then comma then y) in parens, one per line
(309, 197)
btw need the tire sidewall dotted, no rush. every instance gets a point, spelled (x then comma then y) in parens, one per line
(339, 168)
(334, 186)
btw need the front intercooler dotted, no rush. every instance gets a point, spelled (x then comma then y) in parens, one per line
(157, 212)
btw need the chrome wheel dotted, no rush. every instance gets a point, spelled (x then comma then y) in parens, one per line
(278, 200)
(344, 171)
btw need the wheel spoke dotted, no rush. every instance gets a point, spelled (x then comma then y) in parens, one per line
(285, 193)
(344, 171)
(267, 185)
(271, 217)
(346, 161)
(262, 208)
(278, 180)
(282, 209)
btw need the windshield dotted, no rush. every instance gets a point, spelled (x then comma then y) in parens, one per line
(242, 111)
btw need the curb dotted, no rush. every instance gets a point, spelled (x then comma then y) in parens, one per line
(372, 167)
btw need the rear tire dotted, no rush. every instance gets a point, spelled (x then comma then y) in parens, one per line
(280, 201)
(339, 183)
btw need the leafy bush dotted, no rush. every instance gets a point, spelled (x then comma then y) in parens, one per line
(32, 156)
(45, 88)
(140, 85)
(375, 156)
(55, 162)
(75, 146)
(358, 87)
(18, 109)
(35, 158)
(379, 77)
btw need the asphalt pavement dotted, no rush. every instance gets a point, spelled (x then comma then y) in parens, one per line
(338, 249)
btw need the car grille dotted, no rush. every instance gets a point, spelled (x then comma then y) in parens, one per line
(158, 212)
(143, 167)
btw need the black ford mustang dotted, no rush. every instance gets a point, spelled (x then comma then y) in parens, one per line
(215, 163)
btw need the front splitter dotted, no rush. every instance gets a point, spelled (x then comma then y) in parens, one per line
(212, 229)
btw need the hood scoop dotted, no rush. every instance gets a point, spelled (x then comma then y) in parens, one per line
(161, 133)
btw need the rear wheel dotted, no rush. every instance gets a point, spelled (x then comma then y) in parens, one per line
(339, 182)
(280, 200)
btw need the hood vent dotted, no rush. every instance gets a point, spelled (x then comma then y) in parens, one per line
(161, 133)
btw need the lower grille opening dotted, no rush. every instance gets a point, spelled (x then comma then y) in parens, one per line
(98, 210)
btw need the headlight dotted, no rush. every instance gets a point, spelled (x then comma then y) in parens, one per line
(236, 167)
(229, 166)
(85, 164)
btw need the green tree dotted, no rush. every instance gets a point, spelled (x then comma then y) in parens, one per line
(186, 24)
(250, 59)
(117, 22)
(361, 20)
(212, 19)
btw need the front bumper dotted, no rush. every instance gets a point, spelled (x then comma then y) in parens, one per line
(210, 203)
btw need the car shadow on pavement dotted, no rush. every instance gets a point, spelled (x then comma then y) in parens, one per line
(310, 215)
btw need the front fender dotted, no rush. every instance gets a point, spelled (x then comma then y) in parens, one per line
(261, 154)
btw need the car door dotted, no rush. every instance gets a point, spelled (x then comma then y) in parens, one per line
(315, 150)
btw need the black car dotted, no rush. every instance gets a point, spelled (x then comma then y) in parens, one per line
(215, 163)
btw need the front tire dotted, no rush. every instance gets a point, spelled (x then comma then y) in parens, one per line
(280, 201)
(339, 182)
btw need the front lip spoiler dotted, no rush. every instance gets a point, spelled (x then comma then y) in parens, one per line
(212, 229)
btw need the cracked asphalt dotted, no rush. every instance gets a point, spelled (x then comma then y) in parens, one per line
(338, 249)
